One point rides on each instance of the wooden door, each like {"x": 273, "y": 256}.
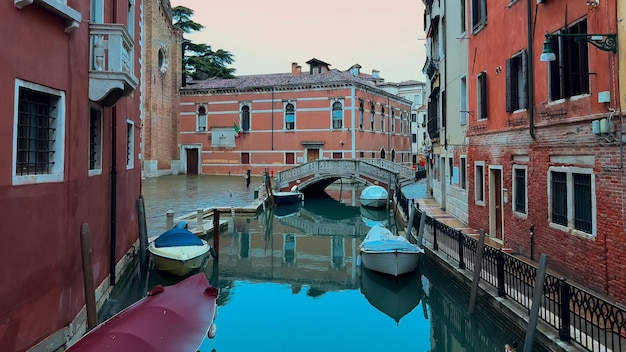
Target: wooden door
{"x": 312, "y": 154}
{"x": 192, "y": 161}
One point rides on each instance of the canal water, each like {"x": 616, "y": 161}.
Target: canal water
{"x": 289, "y": 279}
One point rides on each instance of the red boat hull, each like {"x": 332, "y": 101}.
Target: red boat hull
{"x": 171, "y": 318}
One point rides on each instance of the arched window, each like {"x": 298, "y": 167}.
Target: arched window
{"x": 382, "y": 153}
{"x": 201, "y": 119}
{"x": 245, "y": 118}
{"x": 393, "y": 155}
{"x": 290, "y": 117}
{"x": 337, "y": 115}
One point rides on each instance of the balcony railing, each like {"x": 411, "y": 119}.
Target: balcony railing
{"x": 111, "y": 74}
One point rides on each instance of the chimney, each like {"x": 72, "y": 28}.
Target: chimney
{"x": 375, "y": 73}
{"x": 296, "y": 70}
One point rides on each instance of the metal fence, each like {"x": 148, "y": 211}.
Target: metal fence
{"x": 577, "y": 314}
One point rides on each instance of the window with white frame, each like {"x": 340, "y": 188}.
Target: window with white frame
{"x": 520, "y": 189}
{"x": 245, "y": 118}
{"x": 382, "y": 118}
{"x": 463, "y": 172}
{"x": 571, "y": 199}
{"x": 479, "y": 182}
{"x": 479, "y": 14}
{"x": 373, "y": 115}
{"x": 337, "y": 115}
{"x": 481, "y": 95}
{"x": 516, "y": 82}
{"x": 38, "y": 134}
{"x": 201, "y": 118}
{"x": 95, "y": 141}
{"x": 361, "y": 111}
{"x": 131, "y": 18}
{"x": 463, "y": 103}
{"x": 290, "y": 116}
{"x": 569, "y": 73}
{"x": 130, "y": 144}
{"x": 462, "y": 12}
{"x": 96, "y": 11}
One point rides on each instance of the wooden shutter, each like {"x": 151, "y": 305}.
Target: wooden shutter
{"x": 524, "y": 78}
{"x": 510, "y": 85}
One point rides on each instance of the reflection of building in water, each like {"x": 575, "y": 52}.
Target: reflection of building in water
{"x": 289, "y": 248}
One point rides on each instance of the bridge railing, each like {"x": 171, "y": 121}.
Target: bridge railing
{"x": 401, "y": 170}
{"x": 346, "y": 168}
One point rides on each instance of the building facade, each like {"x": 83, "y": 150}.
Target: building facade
{"x": 68, "y": 156}
{"x": 546, "y": 167}
{"x": 276, "y": 121}
{"x": 160, "y": 98}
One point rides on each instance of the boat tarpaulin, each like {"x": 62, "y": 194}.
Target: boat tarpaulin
{"x": 177, "y": 237}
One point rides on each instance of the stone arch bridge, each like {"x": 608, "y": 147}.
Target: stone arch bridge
{"x": 316, "y": 175}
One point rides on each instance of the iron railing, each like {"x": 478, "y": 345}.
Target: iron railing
{"x": 578, "y": 315}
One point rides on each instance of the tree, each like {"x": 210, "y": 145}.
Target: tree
{"x": 199, "y": 60}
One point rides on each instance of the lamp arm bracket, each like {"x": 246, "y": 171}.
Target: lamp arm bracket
{"x": 604, "y": 42}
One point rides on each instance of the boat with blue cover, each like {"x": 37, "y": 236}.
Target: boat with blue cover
{"x": 178, "y": 251}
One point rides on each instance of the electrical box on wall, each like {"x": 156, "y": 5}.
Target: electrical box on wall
{"x": 604, "y": 97}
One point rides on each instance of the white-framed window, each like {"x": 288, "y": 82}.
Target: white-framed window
{"x": 38, "y": 134}
{"x": 572, "y": 201}
{"x": 361, "y": 111}
{"x": 337, "y": 114}
{"x": 463, "y": 102}
{"x": 373, "y": 115}
{"x": 382, "y": 118}
{"x": 479, "y": 14}
{"x": 520, "y": 190}
{"x": 516, "y": 98}
{"x": 481, "y": 95}
{"x": 393, "y": 121}
{"x": 95, "y": 141}
{"x": 130, "y": 144}
{"x": 290, "y": 116}
{"x": 201, "y": 118}
{"x": 131, "y": 18}
{"x": 479, "y": 182}
{"x": 245, "y": 117}
{"x": 96, "y": 11}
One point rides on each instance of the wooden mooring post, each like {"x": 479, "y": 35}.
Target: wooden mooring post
{"x": 169, "y": 220}
{"x": 90, "y": 290}
{"x": 143, "y": 234}
{"x": 216, "y": 233}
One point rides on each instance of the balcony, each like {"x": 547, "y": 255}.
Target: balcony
{"x": 111, "y": 63}
{"x": 59, "y": 8}
{"x": 431, "y": 66}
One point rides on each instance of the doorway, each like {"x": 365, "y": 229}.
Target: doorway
{"x": 496, "y": 210}
{"x": 312, "y": 154}
{"x": 192, "y": 161}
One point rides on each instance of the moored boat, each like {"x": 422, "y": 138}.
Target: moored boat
{"x": 374, "y": 196}
{"x": 178, "y": 251}
{"x": 287, "y": 197}
{"x": 169, "y": 318}
{"x": 387, "y": 253}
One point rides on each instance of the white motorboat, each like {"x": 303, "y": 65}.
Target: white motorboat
{"x": 178, "y": 251}
{"x": 374, "y": 196}
{"x": 387, "y": 253}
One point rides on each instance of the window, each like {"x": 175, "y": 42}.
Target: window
{"x": 361, "y": 154}
{"x": 245, "y": 158}
{"x": 413, "y": 117}
{"x": 519, "y": 189}
{"x": 373, "y": 116}
{"x": 290, "y": 158}
{"x": 245, "y": 118}
{"x": 569, "y": 73}
{"x": 201, "y": 118}
{"x": 131, "y": 18}
{"x": 479, "y": 14}
{"x": 337, "y": 155}
{"x": 337, "y": 115}
{"x": 393, "y": 121}
{"x": 516, "y": 82}
{"x": 96, "y": 9}
{"x": 463, "y": 104}
{"x": 130, "y": 144}
{"x": 361, "y": 110}
{"x": 463, "y": 172}
{"x": 572, "y": 205}
{"x": 481, "y": 94}
{"x": 290, "y": 117}
{"x": 414, "y": 138}
{"x": 95, "y": 141}
{"x": 479, "y": 186}
{"x": 382, "y": 118}
{"x": 373, "y": 154}
{"x": 39, "y": 138}
{"x": 462, "y": 7}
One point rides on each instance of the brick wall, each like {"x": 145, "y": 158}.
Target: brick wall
{"x": 161, "y": 90}
{"x": 593, "y": 261}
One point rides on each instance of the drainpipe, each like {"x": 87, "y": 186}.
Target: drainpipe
{"x": 113, "y": 193}
{"x": 272, "y": 103}
{"x": 530, "y": 87}
{"x": 353, "y": 134}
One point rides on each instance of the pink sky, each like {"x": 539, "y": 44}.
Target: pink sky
{"x": 267, "y": 36}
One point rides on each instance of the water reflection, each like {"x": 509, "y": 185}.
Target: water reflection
{"x": 290, "y": 282}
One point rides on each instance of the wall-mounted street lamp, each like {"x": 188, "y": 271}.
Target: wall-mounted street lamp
{"x": 605, "y": 42}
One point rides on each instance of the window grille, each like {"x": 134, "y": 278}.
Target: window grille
{"x": 559, "y": 198}
{"x": 582, "y": 203}
{"x": 36, "y": 132}
{"x": 520, "y": 190}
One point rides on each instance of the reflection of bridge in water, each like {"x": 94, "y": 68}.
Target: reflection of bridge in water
{"x": 316, "y": 175}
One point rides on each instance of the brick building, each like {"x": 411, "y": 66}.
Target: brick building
{"x": 276, "y": 121}
{"x": 545, "y": 153}
{"x": 68, "y": 156}
{"x": 161, "y": 70}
